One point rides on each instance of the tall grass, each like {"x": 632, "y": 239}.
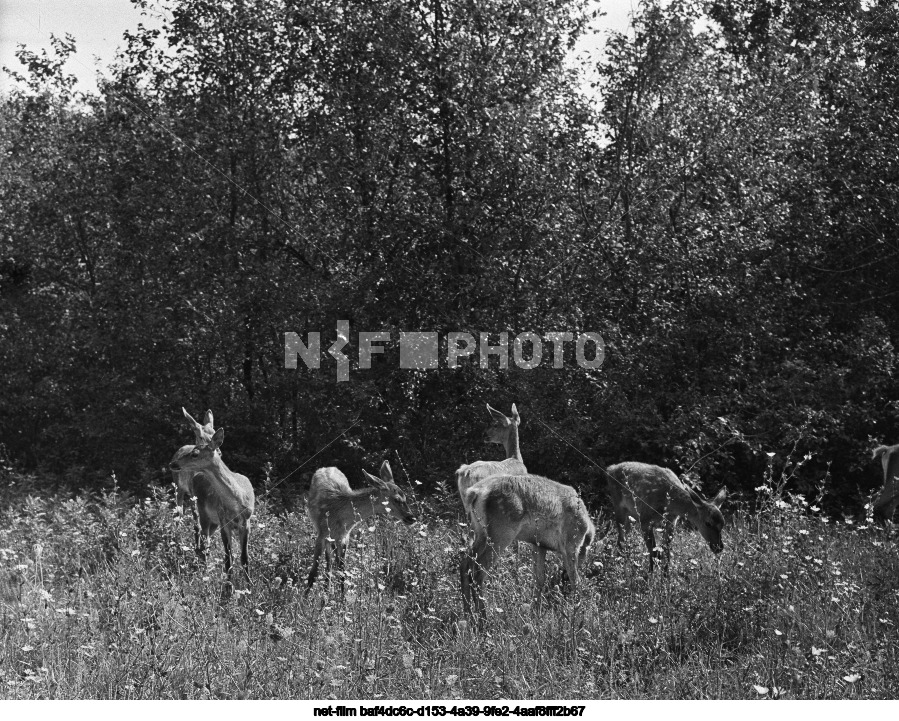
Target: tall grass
{"x": 101, "y": 597}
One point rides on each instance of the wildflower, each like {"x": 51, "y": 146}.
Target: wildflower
{"x": 653, "y": 620}
{"x": 852, "y": 678}
{"x": 817, "y": 651}
{"x": 760, "y": 690}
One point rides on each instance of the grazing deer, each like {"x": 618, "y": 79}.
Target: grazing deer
{"x": 888, "y": 498}
{"x": 503, "y": 431}
{"x": 336, "y": 509}
{"x": 652, "y": 494}
{"x": 225, "y": 499}
{"x": 527, "y": 508}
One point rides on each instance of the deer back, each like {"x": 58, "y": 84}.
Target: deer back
{"x": 529, "y": 508}
{"x": 647, "y": 492}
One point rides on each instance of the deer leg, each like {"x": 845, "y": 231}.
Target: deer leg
{"x": 200, "y": 536}
{"x": 623, "y": 522}
{"x": 244, "y": 548}
{"x": 668, "y": 535}
{"x": 328, "y": 553}
{"x": 570, "y": 560}
{"x": 539, "y": 574}
{"x": 316, "y": 554}
{"x": 203, "y": 533}
{"x": 226, "y": 542}
{"x": 339, "y": 559}
{"x": 475, "y": 565}
{"x": 180, "y": 498}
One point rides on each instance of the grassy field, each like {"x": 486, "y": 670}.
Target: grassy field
{"x": 101, "y": 597}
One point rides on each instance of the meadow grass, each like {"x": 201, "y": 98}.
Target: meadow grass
{"x": 101, "y": 597}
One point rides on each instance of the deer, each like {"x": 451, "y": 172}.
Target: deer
{"x": 650, "y": 494}
{"x": 224, "y": 499}
{"x": 503, "y": 431}
{"x": 528, "y": 508}
{"x": 183, "y": 480}
{"x": 888, "y": 497}
{"x": 335, "y": 510}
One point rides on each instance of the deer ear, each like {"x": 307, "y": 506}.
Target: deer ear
{"x": 697, "y": 499}
{"x": 386, "y": 472}
{"x": 207, "y": 419}
{"x": 496, "y": 414}
{"x": 191, "y": 421}
{"x": 217, "y": 439}
{"x": 719, "y": 499}
{"x": 515, "y": 416}
{"x": 373, "y": 479}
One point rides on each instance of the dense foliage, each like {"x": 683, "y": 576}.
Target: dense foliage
{"x": 723, "y": 212}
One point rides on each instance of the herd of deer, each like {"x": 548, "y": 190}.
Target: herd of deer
{"x": 504, "y": 505}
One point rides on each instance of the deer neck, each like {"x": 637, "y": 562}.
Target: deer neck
{"x": 511, "y": 444}
{"x": 695, "y": 512}
{"x": 365, "y": 503}
{"x": 223, "y": 477}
